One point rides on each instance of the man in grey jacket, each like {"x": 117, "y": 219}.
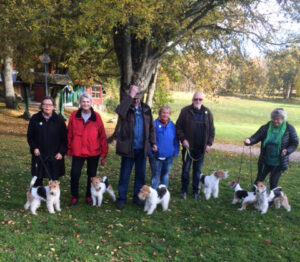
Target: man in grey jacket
{"x": 135, "y": 135}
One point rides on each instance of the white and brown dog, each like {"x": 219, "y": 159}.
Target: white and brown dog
{"x": 210, "y": 184}
{"x": 154, "y": 197}
{"x": 264, "y": 197}
{"x": 242, "y": 196}
{"x": 49, "y": 194}
{"x": 98, "y": 188}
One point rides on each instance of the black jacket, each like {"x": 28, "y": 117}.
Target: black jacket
{"x": 289, "y": 142}
{"x": 185, "y": 126}
{"x": 125, "y": 128}
{"x": 50, "y": 137}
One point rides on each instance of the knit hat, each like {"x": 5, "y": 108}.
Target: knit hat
{"x": 279, "y": 113}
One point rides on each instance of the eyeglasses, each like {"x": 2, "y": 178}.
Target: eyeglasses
{"x": 198, "y": 99}
{"x": 47, "y": 105}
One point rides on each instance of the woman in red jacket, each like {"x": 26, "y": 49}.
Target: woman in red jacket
{"x": 86, "y": 141}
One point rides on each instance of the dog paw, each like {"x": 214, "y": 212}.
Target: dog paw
{"x": 240, "y": 209}
{"x": 59, "y": 210}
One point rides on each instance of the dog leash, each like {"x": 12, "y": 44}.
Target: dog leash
{"x": 251, "y": 181}
{"x": 188, "y": 152}
{"x": 45, "y": 166}
{"x": 241, "y": 162}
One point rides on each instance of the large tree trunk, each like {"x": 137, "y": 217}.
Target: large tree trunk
{"x": 152, "y": 86}
{"x": 136, "y": 58}
{"x": 10, "y": 99}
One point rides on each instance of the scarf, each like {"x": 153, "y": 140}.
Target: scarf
{"x": 276, "y": 133}
{"x": 164, "y": 122}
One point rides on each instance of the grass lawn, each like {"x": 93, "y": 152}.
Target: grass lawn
{"x": 190, "y": 231}
{"x": 236, "y": 118}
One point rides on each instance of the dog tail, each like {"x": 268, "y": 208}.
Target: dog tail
{"x": 105, "y": 181}
{"x": 32, "y": 182}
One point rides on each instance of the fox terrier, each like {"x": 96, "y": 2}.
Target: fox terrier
{"x": 49, "y": 194}
{"x": 242, "y": 196}
{"x": 98, "y": 188}
{"x": 264, "y": 198}
{"x": 210, "y": 184}
{"x": 154, "y": 197}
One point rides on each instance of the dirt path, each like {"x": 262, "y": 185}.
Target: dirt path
{"x": 295, "y": 157}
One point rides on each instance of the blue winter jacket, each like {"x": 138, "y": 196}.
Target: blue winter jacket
{"x": 166, "y": 140}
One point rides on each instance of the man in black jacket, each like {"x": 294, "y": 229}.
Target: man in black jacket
{"x": 195, "y": 129}
{"x": 278, "y": 140}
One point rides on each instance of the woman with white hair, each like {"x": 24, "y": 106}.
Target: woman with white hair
{"x": 278, "y": 140}
{"x": 167, "y": 148}
{"x": 86, "y": 141}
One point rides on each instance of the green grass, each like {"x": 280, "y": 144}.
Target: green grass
{"x": 190, "y": 231}
{"x": 237, "y": 118}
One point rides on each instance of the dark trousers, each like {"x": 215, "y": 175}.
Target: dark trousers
{"x": 127, "y": 163}
{"x": 77, "y": 164}
{"x": 275, "y": 173}
{"x": 185, "y": 175}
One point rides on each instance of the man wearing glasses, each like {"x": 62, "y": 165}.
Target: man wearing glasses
{"x": 195, "y": 129}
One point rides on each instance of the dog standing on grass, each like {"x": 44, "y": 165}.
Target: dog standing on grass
{"x": 264, "y": 198}
{"x": 98, "y": 188}
{"x": 154, "y": 197}
{"x": 49, "y": 194}
{"x": 210, "y": 184}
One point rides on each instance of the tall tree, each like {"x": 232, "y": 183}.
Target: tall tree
{"x": 144, "y": 31}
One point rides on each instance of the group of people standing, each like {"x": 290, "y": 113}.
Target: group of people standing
{"x": 139, "y": 137}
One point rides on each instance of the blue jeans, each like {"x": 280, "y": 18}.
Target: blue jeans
{"x": 127, "y": 163}
{"x": 197, "y": 165}
{"x": 160, "y": 171}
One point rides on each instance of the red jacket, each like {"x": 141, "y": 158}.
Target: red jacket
{"x": 89, "y": 139}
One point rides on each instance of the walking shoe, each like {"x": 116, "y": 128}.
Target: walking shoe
{"x": 89, "y": 201}
{"x": 138, "y": 202}
{"x": 120, "y": 205}
{"x": 197, "y": 196}
{"x": 74, "y": 202}
{"x": 183, "y": 195}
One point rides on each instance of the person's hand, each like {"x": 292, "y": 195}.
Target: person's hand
{"x": 283, "y": 152}
{"x": 154, "y": 148}
{"x": 102, "y": 161}
{"x": 185, "y": 143}
{"x": 36, "y": 152}
{"x": 247, "y": 142}
{"x": 207, "y": 149}
{"x": 58, "y": 156}
{"x": 133, "y": 91}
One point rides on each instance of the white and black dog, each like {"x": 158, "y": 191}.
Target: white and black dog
{"x": 242, "y": 196}
{"x": 49, "y": 194}
{"x": 210, "y": 184}
{"x": 154, "y": 197}
{"x": 98, "y": 188}
{"x": 264, "y": 197}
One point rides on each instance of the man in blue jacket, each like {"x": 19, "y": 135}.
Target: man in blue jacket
{"x": 167, "y": 148}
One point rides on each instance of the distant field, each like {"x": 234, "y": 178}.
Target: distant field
{"x": 237, "y": 118}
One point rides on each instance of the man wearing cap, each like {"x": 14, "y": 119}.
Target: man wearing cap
{"x": 195, "y": 129}
{"x": 278, "y": 140}
{"x": 135, "y": 135}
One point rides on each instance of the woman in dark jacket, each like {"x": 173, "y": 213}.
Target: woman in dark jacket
{"x": 47, "y": 138}
{"x": 278, "y": 140}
